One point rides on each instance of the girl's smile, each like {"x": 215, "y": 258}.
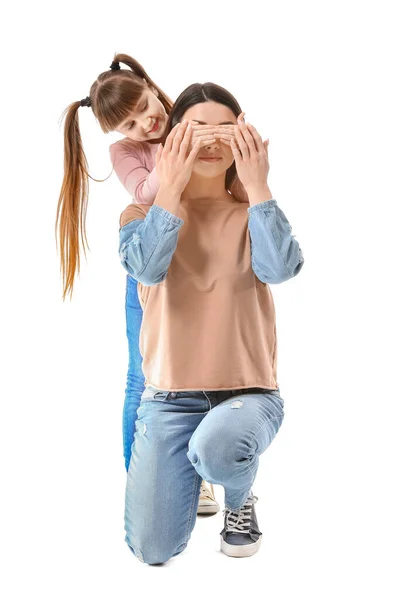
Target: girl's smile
{"x": 155, "y": 126}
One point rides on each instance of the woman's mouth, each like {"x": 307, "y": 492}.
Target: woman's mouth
{"x": 210, "y": 159}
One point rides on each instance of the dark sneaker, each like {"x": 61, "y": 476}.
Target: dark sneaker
{"x": 241, "y": 535}
{"x": 207, "y": 502}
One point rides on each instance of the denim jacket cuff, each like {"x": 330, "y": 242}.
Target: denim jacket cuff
{"x": 166, "y": 214}
{"x": 262, "y": 205}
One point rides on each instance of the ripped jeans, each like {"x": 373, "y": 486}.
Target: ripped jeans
{"x": 181, "y": 438}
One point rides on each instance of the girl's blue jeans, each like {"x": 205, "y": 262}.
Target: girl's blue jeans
{"x": 135, "y": 379}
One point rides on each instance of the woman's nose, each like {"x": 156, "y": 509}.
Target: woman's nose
{"x": 213, "y": 144}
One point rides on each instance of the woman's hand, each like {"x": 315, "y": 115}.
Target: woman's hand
{"x": 251, "y": 157}
{"x": 174, "y": 161}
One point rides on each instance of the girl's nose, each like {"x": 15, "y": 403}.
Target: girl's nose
{"x": 146, "y": 124}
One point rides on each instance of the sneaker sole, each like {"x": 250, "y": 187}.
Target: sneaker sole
{"x": 240, "y": 551}
{"x": 208, "y": 509}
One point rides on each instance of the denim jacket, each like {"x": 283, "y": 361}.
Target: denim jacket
{"x": 146, "y": 246}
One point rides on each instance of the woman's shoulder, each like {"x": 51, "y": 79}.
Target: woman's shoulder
{"x": 132, "y": 212}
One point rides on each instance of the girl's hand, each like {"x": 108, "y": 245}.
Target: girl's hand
{"x": 251, "y": 156}
{"x": 174, "y": 161}
{"x": 210, "y": 133}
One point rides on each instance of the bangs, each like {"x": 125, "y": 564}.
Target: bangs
{"x": 116, "y": 99}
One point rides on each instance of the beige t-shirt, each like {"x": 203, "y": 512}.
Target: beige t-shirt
{"x": 210, "y": 325}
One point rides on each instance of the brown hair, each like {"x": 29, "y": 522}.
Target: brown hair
{"x": 112, "y": 97}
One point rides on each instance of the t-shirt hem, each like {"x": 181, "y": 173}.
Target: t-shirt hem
{"x": 269, "y": 386}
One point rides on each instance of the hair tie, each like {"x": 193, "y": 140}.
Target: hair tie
{"x": 86, "y": 101}
{"x": 114, "y": 66}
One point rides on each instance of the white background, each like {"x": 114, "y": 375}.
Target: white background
{"x": 320, "y": 80}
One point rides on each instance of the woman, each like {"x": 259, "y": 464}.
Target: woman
{"x": 203, "y": 261}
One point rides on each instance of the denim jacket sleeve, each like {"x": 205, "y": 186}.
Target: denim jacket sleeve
{"x": 275, "y": 255}
{"x": 146, "y": 246}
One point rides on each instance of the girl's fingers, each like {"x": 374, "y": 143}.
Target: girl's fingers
{"x": 191, "y": 141}
{"x": 256, "y": 136}
{"x": 206, "y": 141}
{"x": 247, "y": 136}
{"x": 171, "y": 137}
{"x": 158, "y": 153}
{"x": 235, "y": 149}
{"x": 202, "y": 142}
{"x": 241, "y": 143}
{"x": 186, "y": 139}
{"x": 194, "y": 152}
{"x": 224, "y": 137}
{"x": 178, "y": 137}
{"x": 265, "y": 146}
{"x": 213, "y": 129}
{"x": 209, "y": 136}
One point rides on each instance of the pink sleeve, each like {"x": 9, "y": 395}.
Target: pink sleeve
{"x": 141, "y": 183}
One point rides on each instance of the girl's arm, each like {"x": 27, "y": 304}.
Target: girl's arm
{"x": 275, "y": 255}
{"x": 130, "y": 167}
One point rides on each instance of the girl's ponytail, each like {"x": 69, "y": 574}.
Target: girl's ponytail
{"x": 72, "y": 202}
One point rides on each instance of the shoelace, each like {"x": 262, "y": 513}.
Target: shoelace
{"x": 239, "y": 521}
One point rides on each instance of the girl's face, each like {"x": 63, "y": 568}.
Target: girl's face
{"x": 148, "y": 120}
{"x": 212, "y": 113}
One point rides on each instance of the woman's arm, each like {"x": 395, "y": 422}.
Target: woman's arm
{"x": 129, "y": 165}
{"x": 275, "y": 254}
{"x": 146, "y": 246}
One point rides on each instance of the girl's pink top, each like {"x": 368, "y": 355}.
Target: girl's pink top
{"x": 134, "y": 164}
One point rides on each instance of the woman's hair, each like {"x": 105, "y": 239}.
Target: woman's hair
{"x": 112, "y": 97}
{"x": 196, "y": 94}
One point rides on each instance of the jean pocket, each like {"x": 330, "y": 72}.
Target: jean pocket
{"x": 151, "y": 393}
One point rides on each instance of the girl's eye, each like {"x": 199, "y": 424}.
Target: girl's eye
{"x": 133, "y": 122}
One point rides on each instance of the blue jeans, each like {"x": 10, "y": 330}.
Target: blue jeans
{"x": 182, "y": 438}
{"x": 135, "y": 379}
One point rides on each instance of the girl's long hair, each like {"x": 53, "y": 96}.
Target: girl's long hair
{"x": 113, "y": 96}
{"x": 196, "y": 94}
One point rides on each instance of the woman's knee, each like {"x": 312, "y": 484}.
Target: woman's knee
{"x": 153, "y": 555}
{"x": 217, "y": 457}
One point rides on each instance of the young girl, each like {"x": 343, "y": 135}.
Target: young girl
{"x": 211, "y": 405}
{"x": 127, "y": 101}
